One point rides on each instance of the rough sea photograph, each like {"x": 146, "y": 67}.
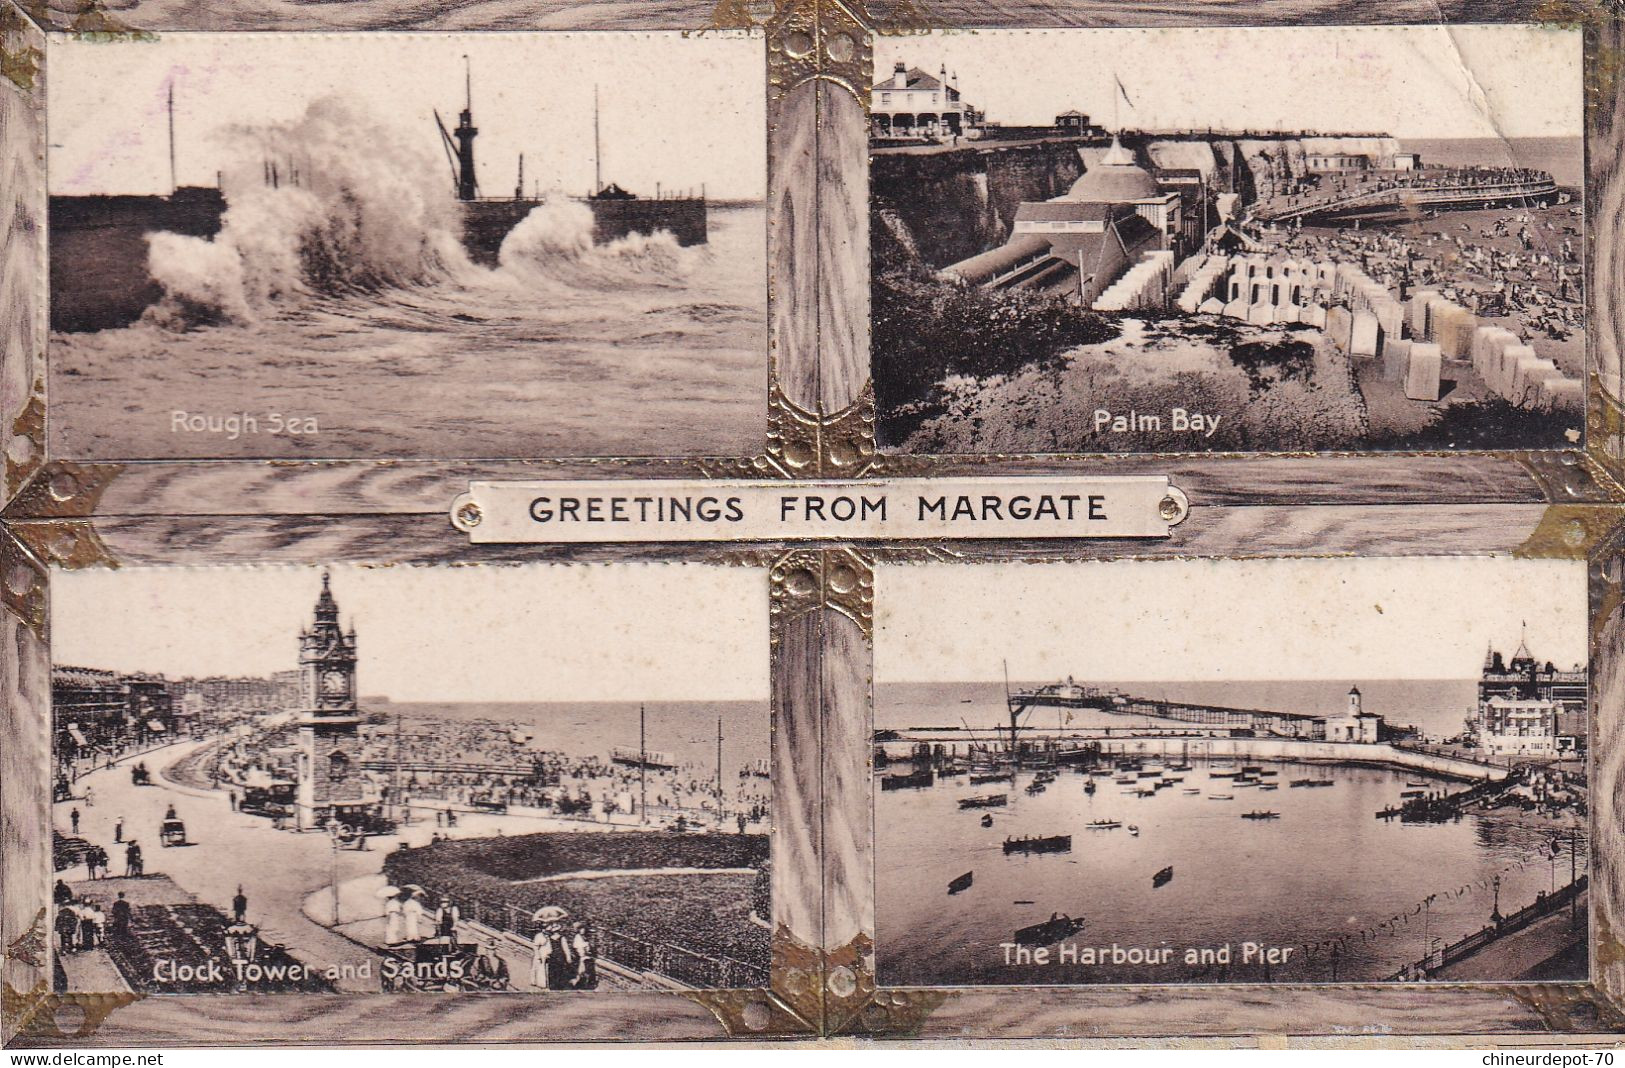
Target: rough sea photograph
{"x": 490, "y": 245}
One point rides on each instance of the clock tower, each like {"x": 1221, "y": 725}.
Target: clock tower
{"x": 329, "y": 722}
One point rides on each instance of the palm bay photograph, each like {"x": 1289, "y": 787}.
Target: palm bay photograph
{"x": 371, "y": 245}
{"x": 1145, "y": 241}
{"x": 297, "y": 779}
{"x": 1210, "y": 772}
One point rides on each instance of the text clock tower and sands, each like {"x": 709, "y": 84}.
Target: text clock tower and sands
{"x": 329, "y": 738}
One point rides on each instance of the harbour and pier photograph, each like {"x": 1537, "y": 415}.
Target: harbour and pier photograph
{"x": 372, "y": 245}
{"x": 1145, "y": 241}
{"x": 1209, "y": 772}
{"x": 297, "y": 779}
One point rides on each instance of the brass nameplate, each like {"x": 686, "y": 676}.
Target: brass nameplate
{"x": 668, "y": 510}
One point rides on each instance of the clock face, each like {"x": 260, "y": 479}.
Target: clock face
{"x": 334, "y": 684}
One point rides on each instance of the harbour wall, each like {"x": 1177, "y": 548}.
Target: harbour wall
{"x": 98, "y": 252}
{"x": 683, "y": 219}
{"x": 1212, "y": 745}
{"x": 486, "y": 223}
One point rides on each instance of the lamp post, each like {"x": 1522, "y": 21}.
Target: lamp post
{"x": 340, "y": 834}
{"x": 1427, "y": 916}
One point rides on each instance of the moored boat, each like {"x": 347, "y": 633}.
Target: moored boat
{"x": 1058, "y": 926}
{"x": 1055, "y": 843}
{"x": 1163, "y": 877}
{"x": 961, "y": 883}
{"x": 1260, "y": 815}
{"x": 985, "y": 801}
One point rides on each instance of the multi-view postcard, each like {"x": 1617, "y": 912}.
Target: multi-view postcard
{"x": 500, "y": 548}
{"x": 390, "y": 245}
{"x": 1288, "y": 771}
{"x": 1124, "y": 241}
{"x": 546, "y": 784}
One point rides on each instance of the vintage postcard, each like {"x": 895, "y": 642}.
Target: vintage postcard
{"x": 1207, "y": 772}
{"x": 407, "y": 245}
{"x": 1129, "y": 241}
{"x": 555, "y": 779}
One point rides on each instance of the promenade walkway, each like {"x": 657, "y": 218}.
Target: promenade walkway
{"x": 277, "y": 869}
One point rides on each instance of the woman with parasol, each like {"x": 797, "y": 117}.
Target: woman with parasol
{"x": 551, "y": 962}
{"x": 413, "y": 912}
{"x": 393, "y": 916}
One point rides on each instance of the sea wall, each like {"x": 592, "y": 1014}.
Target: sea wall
{"x": 683, "y": 219}
{"x": 486, "y": 223}
{"x": 956, "y": 204}
{"x": 1307, "y": 752}
{"x": 98, "y": 252}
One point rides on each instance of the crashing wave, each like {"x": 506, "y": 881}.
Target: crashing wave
{"x": 554, "y": 243}
{"x": 336, "y": 221}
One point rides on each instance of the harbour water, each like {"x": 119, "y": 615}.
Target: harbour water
{"x": 1327, "y": 870}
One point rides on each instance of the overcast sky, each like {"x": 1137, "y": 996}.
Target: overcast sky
{"x": 1408, "y": 81}
{"x": 620, "y": 632}
{"x": 681, "y": 111}
{"x": 1201, "y": 620}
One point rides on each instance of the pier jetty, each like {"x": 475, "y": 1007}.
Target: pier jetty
{"x": 1194, "y": 745}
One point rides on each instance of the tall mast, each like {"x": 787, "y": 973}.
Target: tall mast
{"x": 1011, "y": 708}
{"x": 643, "y": 771}
{"x": 719, "y": 766}
{"x": 173, "y": 184}
{"x": 597, "y": 158}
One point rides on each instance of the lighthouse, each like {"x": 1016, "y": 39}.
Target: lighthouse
{"x": 465, "y": 133}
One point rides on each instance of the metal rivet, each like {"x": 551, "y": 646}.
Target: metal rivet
{"x": 20, "y": 580}
{"x": 756, "y": 1015}
{"x": 1169, "y": 509}
{"x": 20, "y": 449}
{"x": 801, "y": 582}
{"x": 64, "y": 487}
{"x": 842, "y": 983}
{"x": 1574, "y": 533}
{"x": 841, "y": 48}
{"x": 469, "y": 515}
{"x": 799, "y": 44}
{"x": 69, "y": 1017}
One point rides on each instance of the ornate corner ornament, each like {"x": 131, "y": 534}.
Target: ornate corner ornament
{"x": 62, "y": 489}
{"x": 809, "y": 579}
{"x": 791, "y": 1006}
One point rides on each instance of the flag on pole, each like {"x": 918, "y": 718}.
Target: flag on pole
{"x": 1120, "y": 89}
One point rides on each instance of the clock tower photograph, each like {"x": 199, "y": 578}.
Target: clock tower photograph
{"x": 330, "y": 782}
